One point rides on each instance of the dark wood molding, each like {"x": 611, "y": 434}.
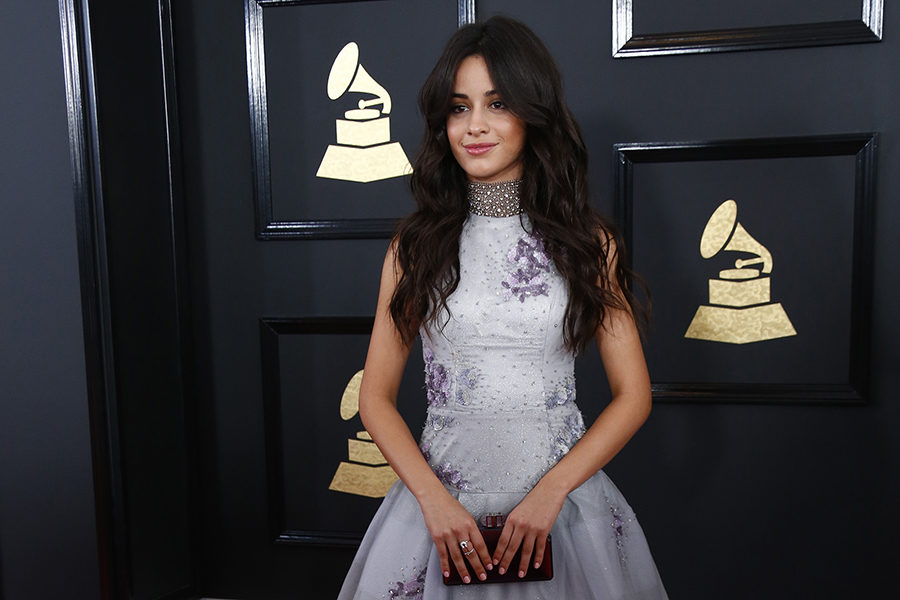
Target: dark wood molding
{"x": 466, "y": 11}
{"x": 863, "y": 146}
{"x": 270, "y": 330}
{"x": 628, "y": 44}
{"x": 182, "y": 302}
{"x": 81, "y": 102}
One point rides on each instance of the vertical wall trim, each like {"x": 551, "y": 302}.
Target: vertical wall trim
{"x": 466, "y": 11}
{"x": 873, "y": 15}
{"x": 863, "y": 259}
{"x": 180, "y": 262}
{"x": 95, "y": 300}
{"x": 622, "y": 24}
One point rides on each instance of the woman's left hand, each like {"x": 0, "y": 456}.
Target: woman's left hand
{"x": 528, "y": 526}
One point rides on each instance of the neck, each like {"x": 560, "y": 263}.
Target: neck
{"x": 499, "y": 199}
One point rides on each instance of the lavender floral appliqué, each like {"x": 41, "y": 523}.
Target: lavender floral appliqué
{"x": 445, "y": 471}
{"x": 530, "y": 267}
{"x": 438, "y": 422}
{"x": 437, "y": 380}
{"x": 411, "y": 589}
{"x": 563, "y": 394}
{"x": 618, "y": 526}
{"x": 466, "y": 380}
{"x": 567, "y": 436}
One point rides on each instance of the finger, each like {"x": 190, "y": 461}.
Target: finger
{"x": 527, "y": 551}
{"x": 540, "y": 546}
{"x": 445, "y": 562}
{"x": 474, "y": 557}
{"x": 511, "y": 550}
{"x": 482, "y": 551}
{"x": 502, "y": 542}
{"x": 460, "y": 564}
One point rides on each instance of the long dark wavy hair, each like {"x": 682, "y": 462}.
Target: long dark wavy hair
{"x": 554, "y": 193}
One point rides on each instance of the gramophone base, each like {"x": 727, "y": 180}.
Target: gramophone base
{"x": 349, "y": 163}
{"x": 740, "y": 325}
{"x": 363, "y": 480}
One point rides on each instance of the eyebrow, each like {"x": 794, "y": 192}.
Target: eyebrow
{"x": 487, "y": 94}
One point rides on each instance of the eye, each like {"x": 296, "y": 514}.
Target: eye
{"x": 458, "y": 108}
{"x": 498, "y": 105}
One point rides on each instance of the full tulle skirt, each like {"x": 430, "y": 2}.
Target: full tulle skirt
{"x": 599, "y": 551}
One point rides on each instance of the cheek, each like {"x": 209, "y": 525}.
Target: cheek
{"x": 517, "y": 140}
{"x": 514, "y": 132}
{"x": 454, "y": 131}
{"x": 455, "y": 149}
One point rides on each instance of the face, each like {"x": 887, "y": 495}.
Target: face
{"x": 486, "y": 139}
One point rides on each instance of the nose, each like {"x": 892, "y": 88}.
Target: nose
{"x": 477, "y": 121}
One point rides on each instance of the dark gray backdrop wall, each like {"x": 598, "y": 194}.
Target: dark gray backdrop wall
{"x": 48, "y": 545}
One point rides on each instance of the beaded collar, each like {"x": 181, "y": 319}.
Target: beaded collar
{"x": 495, "y": 199}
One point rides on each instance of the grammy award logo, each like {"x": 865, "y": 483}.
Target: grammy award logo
{"x": 367, "y": 472}
{"x": 740, "y": 310}
{"x": 364, "y": 151}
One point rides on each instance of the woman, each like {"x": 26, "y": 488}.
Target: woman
{"x": 507, "y": 272}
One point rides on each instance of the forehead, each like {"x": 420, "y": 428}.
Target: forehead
{"x": 472, "y": 76}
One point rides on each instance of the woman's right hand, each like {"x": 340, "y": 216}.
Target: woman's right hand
{"x": 449, "y": 524}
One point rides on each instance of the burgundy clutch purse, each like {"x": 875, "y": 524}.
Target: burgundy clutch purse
{"x": 491, "y": 536}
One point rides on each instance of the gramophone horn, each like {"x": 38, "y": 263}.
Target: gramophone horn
{"x": 342, "y": 70}
{"x": 742, "y": 241}
{"x": 350, "y": 397}
{"x": 723, "y": 232}
{"x": 718, "y": 229}
{"x": 348, "y": 75}
{"x": 364, "y": 83}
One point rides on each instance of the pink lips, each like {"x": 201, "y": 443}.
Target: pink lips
{"x": 476, "y": 149}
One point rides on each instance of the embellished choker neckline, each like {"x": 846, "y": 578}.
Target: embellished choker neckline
{"x": 499, "y": 199}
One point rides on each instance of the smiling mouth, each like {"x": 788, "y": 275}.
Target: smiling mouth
{"x": 476, "y": 149}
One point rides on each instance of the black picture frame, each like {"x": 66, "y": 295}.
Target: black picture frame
{"x": 268, "y": 226}
{"x": 625, "y": 43}
{"x": 862, "y": 146}
{"x": 271, "y": 331}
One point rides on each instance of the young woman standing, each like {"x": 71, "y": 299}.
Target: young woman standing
{"x": 506, "y": 272}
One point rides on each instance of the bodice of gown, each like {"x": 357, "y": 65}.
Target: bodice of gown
{"x": 499, "y": 382}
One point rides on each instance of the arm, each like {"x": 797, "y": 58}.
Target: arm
{"x": 623, "y": 359}
{"x": 446, "y": 519}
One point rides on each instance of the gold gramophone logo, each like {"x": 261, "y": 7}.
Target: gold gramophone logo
{"x": 740, "y": 309}
{"x": 367, "y": 472}
{"x": 364, "y": 151}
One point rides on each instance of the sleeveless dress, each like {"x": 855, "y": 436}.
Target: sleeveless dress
{"x": 501, "y": 412}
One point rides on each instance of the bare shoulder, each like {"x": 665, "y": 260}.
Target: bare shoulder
{"x": 391, "y": 270}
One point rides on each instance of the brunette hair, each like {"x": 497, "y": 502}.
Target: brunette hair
{"x": 554, "y": 193}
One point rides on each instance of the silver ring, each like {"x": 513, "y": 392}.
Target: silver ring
{"x": 466, "y": 548}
